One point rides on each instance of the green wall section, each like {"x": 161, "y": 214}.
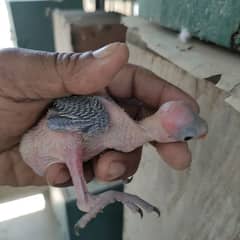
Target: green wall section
{"x": 217, "y": 21}
{"x": 108, "y": 225}
{"x": 33, "y": 24}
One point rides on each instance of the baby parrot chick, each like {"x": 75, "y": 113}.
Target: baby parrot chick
{"x": 77, "y": 128}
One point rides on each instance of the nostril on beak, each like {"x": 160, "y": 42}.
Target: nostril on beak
{"x": 187, "y": 138}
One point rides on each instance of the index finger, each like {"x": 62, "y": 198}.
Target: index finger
{"x": 140, "y": 83}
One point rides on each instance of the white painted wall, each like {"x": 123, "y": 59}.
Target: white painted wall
{"x": 5, "y": 27}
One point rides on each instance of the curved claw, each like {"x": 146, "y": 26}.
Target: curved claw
{"x": 140, "y": 211}
{"x": 77, "y": 230}
{"x": 157, "y": 211}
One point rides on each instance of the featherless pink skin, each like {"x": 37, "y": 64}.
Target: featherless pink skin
{"x": 40, "y": 147}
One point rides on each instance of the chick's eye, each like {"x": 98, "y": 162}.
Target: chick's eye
{"x": 187, "y": 138}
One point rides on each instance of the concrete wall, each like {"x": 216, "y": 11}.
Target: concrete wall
{"x": 201, "y": 203}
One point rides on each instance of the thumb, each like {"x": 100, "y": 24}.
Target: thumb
{"x": 42, "y": 75}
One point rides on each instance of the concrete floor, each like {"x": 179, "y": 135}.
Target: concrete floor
{"x": 37, "y": 226}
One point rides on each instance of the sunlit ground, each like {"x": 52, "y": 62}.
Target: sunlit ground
{"x": 5, "y": 29}
{"x": 21, "y": 207}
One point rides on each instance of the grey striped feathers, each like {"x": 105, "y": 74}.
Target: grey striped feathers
{"x": 85, "y": 114}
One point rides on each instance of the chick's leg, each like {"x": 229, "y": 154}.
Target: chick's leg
{"x": 133, "y": 202}
{"x": 94, "y": 204}
{"x": 75, "y": 165}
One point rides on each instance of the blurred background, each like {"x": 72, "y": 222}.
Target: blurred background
{"x": 200, "y": 203}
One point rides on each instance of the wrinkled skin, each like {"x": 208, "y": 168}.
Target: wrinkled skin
{"x": 78, "y": 128}
{"x": 29, "y": 80}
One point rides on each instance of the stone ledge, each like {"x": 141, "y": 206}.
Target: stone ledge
{"x": 201, "y": 60}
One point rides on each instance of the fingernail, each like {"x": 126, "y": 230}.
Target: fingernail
{"x": 106, "y": 50}
{"x": 61, "y": 178}
{"x": 116, "y": 170}
{"x": 64, "y": 184}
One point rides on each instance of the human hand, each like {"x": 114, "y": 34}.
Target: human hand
{"x": 29, "y": 80}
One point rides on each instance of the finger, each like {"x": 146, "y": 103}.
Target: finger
{"x": 134, "y": 81}
{"x": 15, "y": 172}
{"x": 58, "y": 175}
{"x": 177, "y": 155}
{"x": 26, "y": 74}
{"x": 113, "y": 165}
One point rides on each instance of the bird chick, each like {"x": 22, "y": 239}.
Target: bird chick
{"x": 77, "y": 128}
